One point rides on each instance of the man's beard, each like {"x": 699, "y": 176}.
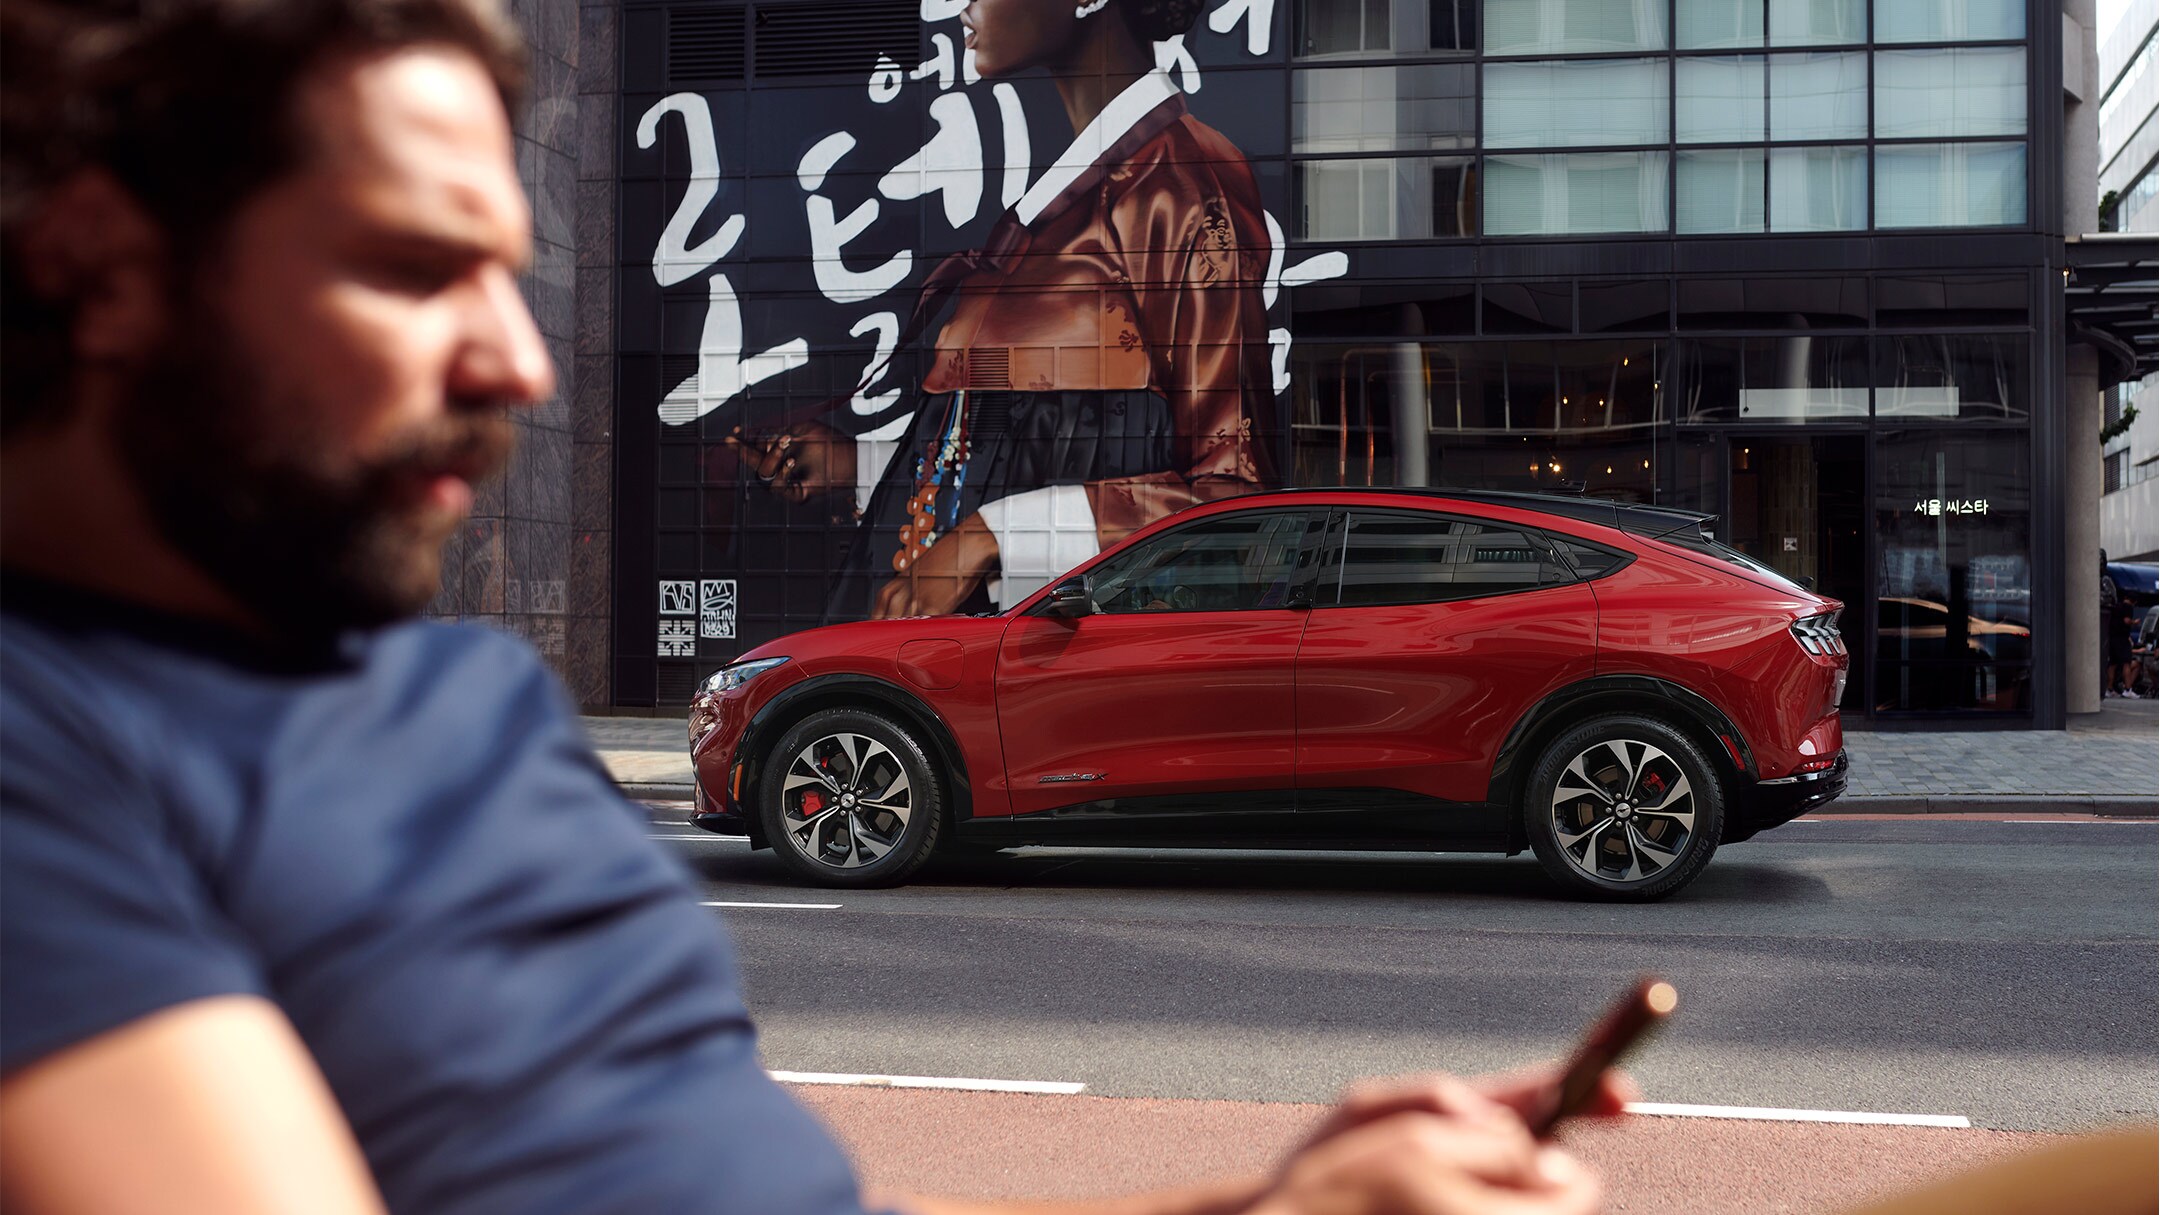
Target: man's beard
{"x": 311, "y": 541}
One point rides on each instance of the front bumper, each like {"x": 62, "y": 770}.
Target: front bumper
{"x": 1772, "y": 803}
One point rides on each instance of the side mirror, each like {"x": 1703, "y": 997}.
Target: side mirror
{"x": 1070, "y": 598}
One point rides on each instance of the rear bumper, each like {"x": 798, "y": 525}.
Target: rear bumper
{"x": 1771, "y": 803}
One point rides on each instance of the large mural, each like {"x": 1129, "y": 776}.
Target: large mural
{"x": 1017, "y": 294}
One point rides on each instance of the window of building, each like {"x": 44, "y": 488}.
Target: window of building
{"x": 2115, "y": 471}
{"x": 1380, "y": 27}
{"x": 1953, "y": 185}
{"x": 1719, "y": 99}
{"x": 1400, "y": 558}
{"x": 1386, "y": 198}
{"x": 1953, "y": 377}
{"x": 1950, "y": 91}
{"x": 1623, "y": 306}
{"x": 1819, "y": 96}
{"x": 1537, "y": 195}
{"x": 1383, "y": 108}
{"x": 1576, "y": 103}
{"x": 1818, "y": 189}
{"x": 1820, "y": 22}
{"x": 1936, "y": 301}
{"x": 1800, "y": 377}
{"x": 1949, "y": 20}
{"x": 1719, "y": 191}
{"x": 1813, "y": 302}
{"x": 1573, "y": 27}
{"x": 1529, "y": 307}
{"x": 1230, "y": 564}
{"x": 1718, "y": 24}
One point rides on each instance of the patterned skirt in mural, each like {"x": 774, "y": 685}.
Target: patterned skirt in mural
{"x": 980, "y": 446}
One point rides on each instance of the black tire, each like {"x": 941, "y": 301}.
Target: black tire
{"x": 1657, "y": 850}
{"x": 849, "y": 837}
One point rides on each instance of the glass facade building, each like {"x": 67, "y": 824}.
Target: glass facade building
{"x": 1796, "y": 263}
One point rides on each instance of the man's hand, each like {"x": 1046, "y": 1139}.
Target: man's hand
{"x": 1428, "y": 1145}
{"x": 805, "y": 459}
{"x": 1479, "y": 1161}
{"x": 941, "y": 579}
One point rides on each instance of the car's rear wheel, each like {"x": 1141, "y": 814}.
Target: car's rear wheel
{"x": 1623, "y": 807}
{"x": 848, "y": 797}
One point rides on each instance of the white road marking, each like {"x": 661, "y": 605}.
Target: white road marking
{"x": 1061, "y": 1088}
{"x": 1760, "y": 1114}
{"x": 784, "y": 906}
{"x": 2110, "y": 822}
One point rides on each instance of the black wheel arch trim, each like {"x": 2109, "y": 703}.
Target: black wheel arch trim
{"x": 1624, "y": 693}
{"x": 854, "y": 691}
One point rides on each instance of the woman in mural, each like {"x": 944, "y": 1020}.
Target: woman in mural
{"x": 1106, "y": 359}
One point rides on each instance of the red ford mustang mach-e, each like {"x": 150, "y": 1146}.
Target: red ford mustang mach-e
{"x": 1599, "y": 682}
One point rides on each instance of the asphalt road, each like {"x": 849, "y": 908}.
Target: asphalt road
{"x": 2000, "y": 971}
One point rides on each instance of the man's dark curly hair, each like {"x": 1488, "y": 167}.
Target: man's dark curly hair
{"x": 190, "y": 105}
{"x": 1156, "y": 20}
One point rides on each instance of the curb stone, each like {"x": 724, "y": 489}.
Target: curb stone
{"x": 1932, "y": 803}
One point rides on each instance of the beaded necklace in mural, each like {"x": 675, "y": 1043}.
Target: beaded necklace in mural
{"x": 941, "y": 464}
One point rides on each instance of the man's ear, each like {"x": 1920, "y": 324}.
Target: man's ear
{"x": 91, "y": 247}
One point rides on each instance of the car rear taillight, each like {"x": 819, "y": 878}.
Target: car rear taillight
{"x": 1818, "y": 635}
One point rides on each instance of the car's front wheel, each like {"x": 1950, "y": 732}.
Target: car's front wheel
{"x": 1623, "y": 807}
{"x": 849, "y": 798}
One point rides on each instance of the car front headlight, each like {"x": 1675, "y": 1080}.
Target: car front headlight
{"x": 729, "y": 678}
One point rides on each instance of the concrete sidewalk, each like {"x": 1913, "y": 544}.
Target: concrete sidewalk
{"x": 2106, "y": 763}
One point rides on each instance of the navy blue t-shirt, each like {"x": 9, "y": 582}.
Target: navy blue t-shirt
{"x": 410, "y": 847}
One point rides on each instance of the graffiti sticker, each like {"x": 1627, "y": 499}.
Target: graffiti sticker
{"x": 678, "y": 639}
{"x": 716, "y": 608}
{"x": 678, "y": 598}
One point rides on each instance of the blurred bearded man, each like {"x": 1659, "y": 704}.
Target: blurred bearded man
{"x": 306, "y": 907}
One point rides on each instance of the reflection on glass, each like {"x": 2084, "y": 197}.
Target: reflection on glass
{"x": 1953, "y": 528}
{"x": 1717, "y": 24}
{"x": 1932, "y": 185}
{"x": 1816, "y": 301}
{"x": 1967, "y": 377}
{"x": 1950, "y": 91}
{"x": 1818, "y": 189}
{"x": 1389, "y": 198}
{"x": 1368, "y": 27}
{"x": 1577, "y": 192}
{"x": 1948, "y": 20}
{"x": 1822, "y": 22}
{"x": 1395, "y": 559}
{"x": 1382, "y": 109}
{"x": 1720, "y": 191}
{"x": 1540, "y": 415}
{"x": 1579, "y": 103}
{"x": 1802, "y": 377}
{"x": 1573, "y": 27}
{"x": 1945, "y": 300}
{"x": 1819, "y": 96}
{"x": 1720, "y": 99}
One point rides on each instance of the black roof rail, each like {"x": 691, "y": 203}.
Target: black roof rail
{"x": 1638, "y": 517}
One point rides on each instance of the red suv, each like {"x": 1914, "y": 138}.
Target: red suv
{"x": 1599, "y": 682}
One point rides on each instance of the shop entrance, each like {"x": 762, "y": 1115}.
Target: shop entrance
{"x": 1798, "y": 504}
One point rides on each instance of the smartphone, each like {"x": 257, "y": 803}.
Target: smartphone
{"x": 1630, "y": 1020}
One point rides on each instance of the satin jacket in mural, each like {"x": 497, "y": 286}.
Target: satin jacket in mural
{"x": 1110, "y": 339}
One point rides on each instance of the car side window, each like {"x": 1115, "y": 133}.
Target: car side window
{"x": 1227, "y": 564}
{"x": 1402, "y": 558}
{"x": 1589, "y": 560}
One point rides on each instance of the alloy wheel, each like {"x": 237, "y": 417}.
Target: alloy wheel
{"x": 845, "y": 801}
{"x": 1623, "y": 811}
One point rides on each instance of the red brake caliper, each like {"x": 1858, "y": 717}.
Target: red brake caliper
{"x": 812, "y": 802}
